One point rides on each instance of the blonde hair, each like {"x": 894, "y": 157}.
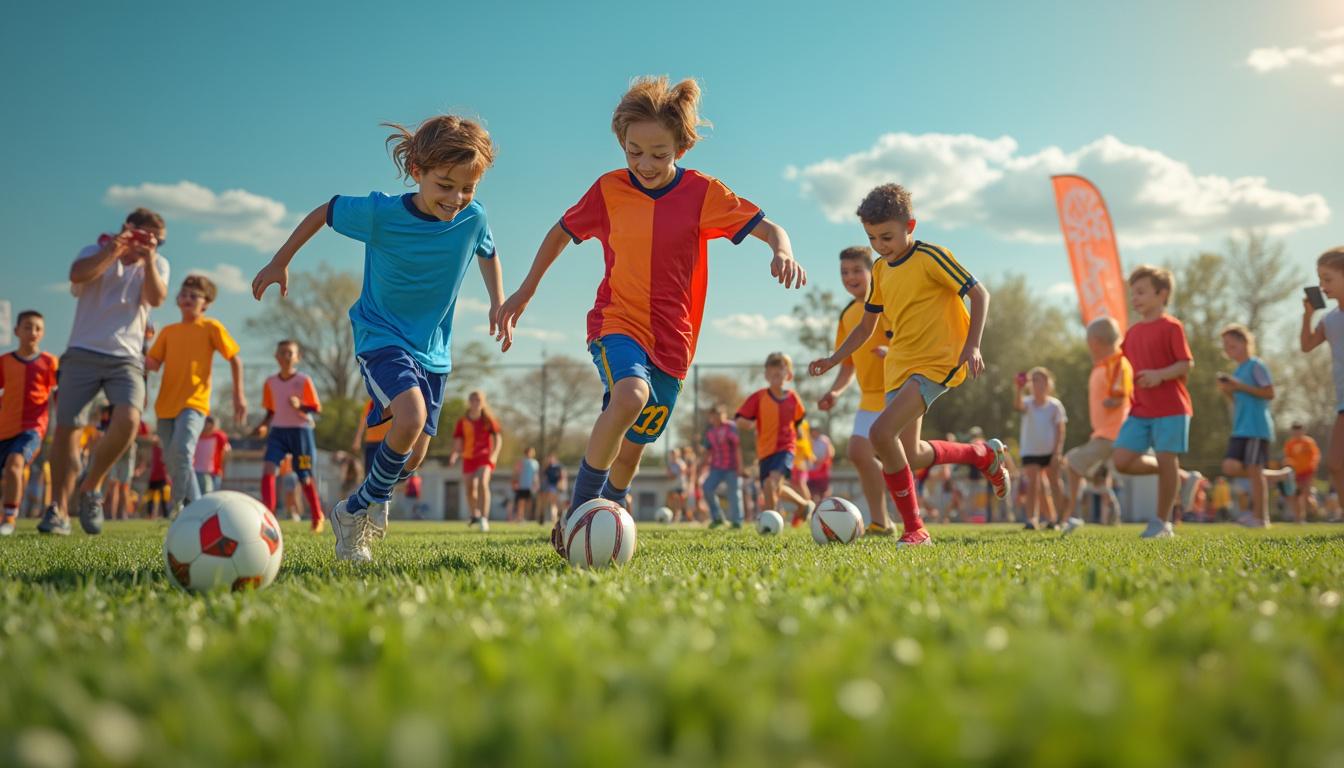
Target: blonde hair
{"x": 675, "y": 107}
{"x": 445, "y": 140}
{"x": 1160, "y": 278}
{"x": 1333, "y": 259}
{"x": 780, "y": 359}
{"x": 485, "y": 406}
{"x": 1049, "y": 378}
{"x": 1104, "y": 329}
{"x": 1241, "y": 332}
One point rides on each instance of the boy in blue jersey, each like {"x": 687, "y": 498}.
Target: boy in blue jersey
{"x": 417, "y": 250}
{"x": 1250, "y": 388}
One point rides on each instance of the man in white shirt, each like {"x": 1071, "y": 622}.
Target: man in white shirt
{"x": 116, "y": 282}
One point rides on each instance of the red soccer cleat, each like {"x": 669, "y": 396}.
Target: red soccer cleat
{"x": 916, "y": 538}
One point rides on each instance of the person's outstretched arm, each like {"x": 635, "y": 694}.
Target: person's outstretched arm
{"x": 508, "y": 314}
{"x": 277, "y": 270}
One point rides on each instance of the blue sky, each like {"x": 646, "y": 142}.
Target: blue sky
{"x": 978, "y": 101}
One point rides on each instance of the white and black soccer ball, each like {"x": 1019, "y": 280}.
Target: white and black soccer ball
{"x": 223, "y": 539}
{"x": 836, "y": 521}
{"x": 599, "y": 534}
{"x": 663, "y": 515}
{"x": 769, "y": 522}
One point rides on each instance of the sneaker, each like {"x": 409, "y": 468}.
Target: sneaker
{"x": 319, "y": 525}
{"x": 558, "y": 537}
{"x": 735, "y": 526}
{"x": 1072, "y": 525}
{"x": 1157, "y": 529}
{"x": 352, "y": 536}
{"x": 7, "y": 524}
{"x": 91, "y": 512}
{"x": 798, "y": 520}
{"x": 54, "y": 522}
{"x": 1189, "y": 487}
{"x": 874, "y": 529}
{"x": 1251, "y": 521}
{"x": 716, "y": 524}
{"x": 377, "y": 514}
{"x": 1052, "y": 526}
{"x": 997, "y": 472}
{"x": 916, "y": 538}
{"x": 1030, "y": 526}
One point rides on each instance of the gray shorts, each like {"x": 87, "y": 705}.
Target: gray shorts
{"x": 83, "y": 373}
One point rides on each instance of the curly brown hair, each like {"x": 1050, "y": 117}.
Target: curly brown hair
{"x": 889, "y": 202}
{"x": 675, "y": 107}
{"x": 442, "y": 141}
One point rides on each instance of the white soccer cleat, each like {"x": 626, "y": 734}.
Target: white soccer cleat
{"x": 352, "y": 534}
{"x": 377, "y": 515}
{"x": 1158, "y": 529}
{"x": 1073, "y": 524}
{"x": 999, "y": 479}
{"x": 1189, "y": 487}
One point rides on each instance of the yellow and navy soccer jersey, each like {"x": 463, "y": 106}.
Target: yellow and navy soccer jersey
{"x": 868, "y": 366}
{"x": 922, "y": 296}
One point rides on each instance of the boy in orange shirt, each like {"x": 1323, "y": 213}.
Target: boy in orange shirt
{"x": 1108, "y": 390}
{"x": 1302, "y": 454}
{"x": 775, "y": 413}
{"x": 184, "y": 352}
{"x": 654, "y": 220}
{"x": 27, "y": 379}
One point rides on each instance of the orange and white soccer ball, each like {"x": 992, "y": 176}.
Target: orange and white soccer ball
{"x": 769, "y": 523}
{"x": 223, "y": 539}
{"x": 598, "y": 534}
{"x": 836, "y": 521}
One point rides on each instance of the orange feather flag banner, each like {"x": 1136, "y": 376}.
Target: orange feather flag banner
{"x": 1090, "y": 239}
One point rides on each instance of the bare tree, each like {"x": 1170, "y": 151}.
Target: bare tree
{"x": 316, "y": 315}
{"x": 1259, "y": 277}
{"x": 544, "y": 404}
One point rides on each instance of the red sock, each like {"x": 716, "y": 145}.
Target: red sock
{"x": 268, "y": 492}
{"x": 314, "y": 503}
{"x": 902, "y": 487}
{"x": 976, "y": 454}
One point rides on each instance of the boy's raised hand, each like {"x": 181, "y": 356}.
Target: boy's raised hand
{"x": 271, "y": 273}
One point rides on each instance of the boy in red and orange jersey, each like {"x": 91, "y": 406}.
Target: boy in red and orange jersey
{"x": 775, "y": 413}
{"x": 27, "y": 379}
{"x": 654, "y": 220}
{"x": 290, "y": 400}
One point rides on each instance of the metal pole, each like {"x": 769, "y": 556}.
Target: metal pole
{"x": 543, "y": 405}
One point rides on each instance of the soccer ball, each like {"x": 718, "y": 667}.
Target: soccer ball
{"x": 835, "y": 520}
{"x": 598, "y": 534}
{"x": 663, "y": 515}
{"x": 770, "y": 522}
{"x": 223, "y": 539}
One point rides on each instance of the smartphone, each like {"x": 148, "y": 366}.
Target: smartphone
{"x": 1315, "y": 296}
{"x": 1021, "y": 378}
{"x": 142, "y": 237}
{"x": 1224, "y": 376}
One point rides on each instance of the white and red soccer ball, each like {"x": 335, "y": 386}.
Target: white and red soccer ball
{"x": 223, "y": 539}
{"x": 599, "y": 534}
{"x": 836, "y": 521}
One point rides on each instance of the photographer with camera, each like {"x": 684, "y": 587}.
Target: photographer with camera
{"x": 116, "y": 282}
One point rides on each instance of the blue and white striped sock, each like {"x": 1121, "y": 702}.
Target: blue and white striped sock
{"x": 382, "y": 476}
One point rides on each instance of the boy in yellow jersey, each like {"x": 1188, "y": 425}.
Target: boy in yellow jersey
{"x": 865, "y": 366}
{"x": 935, "y": 344}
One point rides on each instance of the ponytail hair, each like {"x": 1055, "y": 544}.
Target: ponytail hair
{"x": 445, "y": 140}
{"x": 675, "y": 107}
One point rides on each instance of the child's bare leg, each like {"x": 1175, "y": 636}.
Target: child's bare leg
{"x": 12, "y": 481}
{"x": 1259, "y": 493}
{"x": 870, "y": 477}
{"x": 418, "y": 452}
{"x": 628, "y": 398}
{"x": 483, "y": 490}
{"x": 888, "y": 434}
{"x": 1050, "y": 490}
{"x": 1334, "y": 458}
{"x": 1168, "y": 481}
{"x": 1031, "y": 478}
{"x": 791, "y": 495}
{"x": 769, "y": 487}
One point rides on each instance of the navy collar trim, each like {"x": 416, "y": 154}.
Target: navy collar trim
{"x": 408, "y": 200}
{"x": 656, "y": 193}
{"x": 905, "y": 256}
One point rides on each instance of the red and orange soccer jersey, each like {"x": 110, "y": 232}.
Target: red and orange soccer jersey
{"x": 776, "y": 420}
{"x": 654, "y": 245}
{"x": 475, "y": 435}
{"x": 27, "y": 386}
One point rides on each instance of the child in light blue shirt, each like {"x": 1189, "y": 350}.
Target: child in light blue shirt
{"x": 1250, "y": 388}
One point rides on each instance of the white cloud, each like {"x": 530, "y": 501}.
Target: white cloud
{"x": 757, "y": 326}
{"x": 232, "y": 216}
{"x": 1331, "y": 56}
{"x": 1061, "y": 290}
{"x": 469, "y": 304}
{"x": 61, "y": 286}
{"x": 226, "y": 277}
{"x": 968, "y": 181}
{"x": 520, "y": 332}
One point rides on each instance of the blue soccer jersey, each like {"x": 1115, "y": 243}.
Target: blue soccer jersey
{"x": 1250, "y": 414}
{"x": 413, "y": 269}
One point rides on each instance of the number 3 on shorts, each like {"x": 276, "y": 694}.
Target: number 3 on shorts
{"x": 651, "y": 421}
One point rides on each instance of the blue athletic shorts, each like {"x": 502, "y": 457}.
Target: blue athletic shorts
{"x": 25, "y": 444}
{"x": 620, "y": 357}
{"x": 388, "y": 372}
{"x": 1164, "y": 434}
{"x": 292, "y": 441}
{"x": 781, "y": 462}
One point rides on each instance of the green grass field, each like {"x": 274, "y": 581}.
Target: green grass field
{"x": 995, "y": 647}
